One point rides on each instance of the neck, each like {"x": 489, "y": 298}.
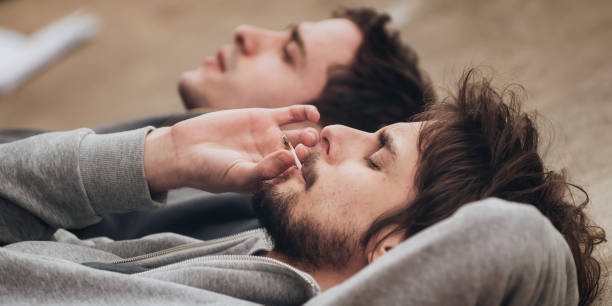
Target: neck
{"x": 325, "y": 277}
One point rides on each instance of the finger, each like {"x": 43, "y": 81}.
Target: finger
{"x": 270, "y": 167}
{"x": 295, "y": 113}
{"x": 302, "y": 151}
{"x": 307, "y": 136}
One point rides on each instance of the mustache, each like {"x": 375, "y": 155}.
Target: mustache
{"x": 308, "y": 169}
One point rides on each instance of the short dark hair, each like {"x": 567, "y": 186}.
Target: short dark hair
{"x": 382, "y": 85}
{"x": 479, "y": 144}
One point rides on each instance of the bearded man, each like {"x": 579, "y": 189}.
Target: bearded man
{"x": 421, "y": 213}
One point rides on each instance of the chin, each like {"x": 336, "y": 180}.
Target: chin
{"x": 190, "y": 97}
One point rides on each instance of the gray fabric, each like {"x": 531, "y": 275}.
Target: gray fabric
{"x": 70, "y": 180}
{"x": 189, "y": 212}
{"x": 9, "y": 135}
{"x": 44, "y": 267}
{"x": 488, "y": 253}
{"x": 100, "y": 171}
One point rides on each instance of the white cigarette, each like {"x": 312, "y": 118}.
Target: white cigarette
{"x": 297, "y": 160}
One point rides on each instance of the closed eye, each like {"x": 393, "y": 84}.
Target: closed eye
{"x": 372, "y": 164}
{"x": 286, "y": 55}
{"x": 294, "y": 37}
{"x": 383, "y": 140}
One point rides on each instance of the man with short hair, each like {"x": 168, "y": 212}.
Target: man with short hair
{"x": 372, "y": 218}
{"x": 355, "y": 70}
{"x": 352, "y": 67}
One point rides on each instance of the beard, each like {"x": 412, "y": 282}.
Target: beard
{"x": 303, "y": 240}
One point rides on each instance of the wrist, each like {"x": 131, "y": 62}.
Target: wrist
{"x": 160, "y": 167}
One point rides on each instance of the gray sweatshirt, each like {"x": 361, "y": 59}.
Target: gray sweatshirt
{"x": 489, "y": 253}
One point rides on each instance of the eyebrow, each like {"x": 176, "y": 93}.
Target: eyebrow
{"x": 297, "y": 37}
{"x": 388, "y": 142}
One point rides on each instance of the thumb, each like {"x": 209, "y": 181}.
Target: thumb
{"x": 274, "y": 164}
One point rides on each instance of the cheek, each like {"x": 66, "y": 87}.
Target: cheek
{"x": 335, "y": 185}
{"x": 315, "y": 76}
{"x": 361, "y": 195}
{"x": 273, "y": 83}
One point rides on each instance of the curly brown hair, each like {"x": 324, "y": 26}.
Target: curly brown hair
{"x": 382, "y": 85}
{"x": 479, "y": 144}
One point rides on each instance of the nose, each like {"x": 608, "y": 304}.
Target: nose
{"x": 251, "y": 40}
{"x": 342, "y": 142}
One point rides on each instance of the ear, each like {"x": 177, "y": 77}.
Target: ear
{"x": 385, "y": 246}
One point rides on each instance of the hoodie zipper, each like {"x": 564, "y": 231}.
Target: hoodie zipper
{"x": 186, "y": 247}
{"x": 242, "y": 258}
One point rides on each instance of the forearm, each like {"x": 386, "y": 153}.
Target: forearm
{"x": 69, "y": 179}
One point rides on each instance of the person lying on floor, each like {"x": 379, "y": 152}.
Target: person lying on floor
{"x": 353, "y": 67}
{"x": 420, "y": 213}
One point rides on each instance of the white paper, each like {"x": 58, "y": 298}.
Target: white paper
{"x": 21, "y": 56}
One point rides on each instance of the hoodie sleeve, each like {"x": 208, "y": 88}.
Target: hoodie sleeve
{"x": 490, "y": 252}
{"x": 70, "y": 180}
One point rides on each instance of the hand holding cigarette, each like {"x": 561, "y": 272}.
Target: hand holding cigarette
{"x": 233, "y": 150}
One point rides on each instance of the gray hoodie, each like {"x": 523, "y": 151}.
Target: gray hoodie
{"x": 488, "y": 253}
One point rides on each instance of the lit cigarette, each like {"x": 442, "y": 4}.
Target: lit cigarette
{"x": 287, "y": 143}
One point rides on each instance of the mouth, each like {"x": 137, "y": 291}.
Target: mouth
{"x": 307, "y": 175}
{"x": 291, "y": 172}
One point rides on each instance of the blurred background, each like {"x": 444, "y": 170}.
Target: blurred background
{"x": 559, "y": 50}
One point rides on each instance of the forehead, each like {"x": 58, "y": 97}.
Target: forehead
{"x": 404, "y": 137}
{"x": 333, "y": 40}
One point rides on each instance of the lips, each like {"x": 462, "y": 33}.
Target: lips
{"x": 307, "y": 175}
{"x": 294, "y": 171}
{"x": 286, "y": 175}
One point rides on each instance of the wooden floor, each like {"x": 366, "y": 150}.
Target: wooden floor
{"x": 559, "y": 50}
